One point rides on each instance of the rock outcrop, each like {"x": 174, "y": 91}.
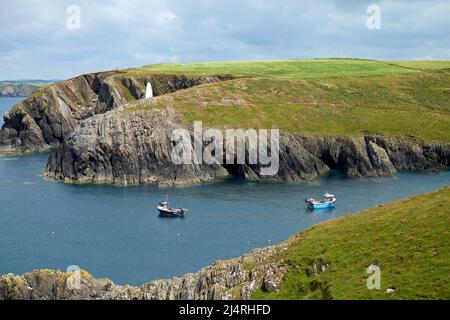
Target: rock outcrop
{"x": 224, "y": 280}
{"x": 45, "y": 118}
{"x": 52, "y": 113}
{"x": 125, "y": 149}
{"x": 307, "y": 157}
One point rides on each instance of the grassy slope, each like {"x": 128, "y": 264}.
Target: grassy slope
{"x": 424, "y": 65}
{"x": 326, "y": 97}
{"x": 408, "y": 240}
{"x": 290, "y": 69}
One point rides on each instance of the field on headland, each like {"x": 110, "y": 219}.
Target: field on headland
{"x": 407, "y": 239}
{"x": 287, "y": 69}
{"x": 325, "y": 96}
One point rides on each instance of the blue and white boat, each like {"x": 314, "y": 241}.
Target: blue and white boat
{"x": 328, "y": 201}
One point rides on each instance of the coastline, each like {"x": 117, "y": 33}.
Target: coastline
{"x": 260, "y": 272}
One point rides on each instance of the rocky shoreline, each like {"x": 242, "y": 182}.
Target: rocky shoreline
{"x": 104, "y": 132}
{"x": 233, "y": 279}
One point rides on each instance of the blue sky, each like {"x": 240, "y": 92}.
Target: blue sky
{"x": 35, "y": 42}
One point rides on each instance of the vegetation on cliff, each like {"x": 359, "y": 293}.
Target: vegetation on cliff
{"x": 407, "y": 239}
{"x": 325, "y": 97}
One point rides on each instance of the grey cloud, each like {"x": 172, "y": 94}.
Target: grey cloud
{"x": 125, "y": 33}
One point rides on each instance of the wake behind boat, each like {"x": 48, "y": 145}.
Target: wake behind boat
{"x": 166, "y": 211}
{"x": 328, "y": 201}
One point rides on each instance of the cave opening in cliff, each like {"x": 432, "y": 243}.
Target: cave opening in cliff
{"x": 234, "y": 170}
{"x": 333, "y": 163}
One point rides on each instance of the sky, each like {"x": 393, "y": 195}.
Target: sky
{"x": 47, "y": 39}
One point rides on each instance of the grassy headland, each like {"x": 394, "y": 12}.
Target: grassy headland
{"x": 287, "y": 69}
{"x": 408, "y": 240}
{"x": 324, "y": 96}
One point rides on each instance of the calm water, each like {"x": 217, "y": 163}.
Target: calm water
{"x": 115, "y": 232}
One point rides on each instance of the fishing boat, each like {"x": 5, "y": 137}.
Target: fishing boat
{"x": 166, "y": 211}
{"x": 328, "y": 201}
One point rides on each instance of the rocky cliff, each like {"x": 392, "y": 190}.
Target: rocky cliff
{"x": 125, "y": 149}
{"x": 224, "y": 280}
{"x": 43, "y": 120}
{"x": 105, "y": 133}
{"x": 134, "y": 147}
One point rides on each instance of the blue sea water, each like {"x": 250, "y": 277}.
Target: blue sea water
{"x": 115, "y": 232}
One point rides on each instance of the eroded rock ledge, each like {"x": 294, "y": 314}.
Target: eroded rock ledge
{"x": 135, "y": 148}
{"x": 224, "y": 280}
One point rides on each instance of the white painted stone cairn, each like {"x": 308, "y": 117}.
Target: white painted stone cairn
{"x": 149, "y": 91}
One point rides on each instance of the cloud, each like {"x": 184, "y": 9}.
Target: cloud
{"x": 35, "y": 42}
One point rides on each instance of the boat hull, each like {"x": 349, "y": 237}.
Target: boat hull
{"x": 172, "y": 213}
{"x": 317, "y": 206}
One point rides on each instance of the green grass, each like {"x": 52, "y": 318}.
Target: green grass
{"x": 424, "y": 65}
{"x": 408, "y": 240}
{"x": 322, "y": 96}
{"x": 416, "y": 105}
{"x": 124, "y": 91}
{"x": 287, "y": 69}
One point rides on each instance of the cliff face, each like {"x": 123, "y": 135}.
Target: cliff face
{"x": 99, "y": 141}
{"x": 48, "y": 116}
{"x": 125, "y": 149}
{"x": 233, "y": 279}
{"x": 134, "y": 147}
{"x": 45, "y": 118}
